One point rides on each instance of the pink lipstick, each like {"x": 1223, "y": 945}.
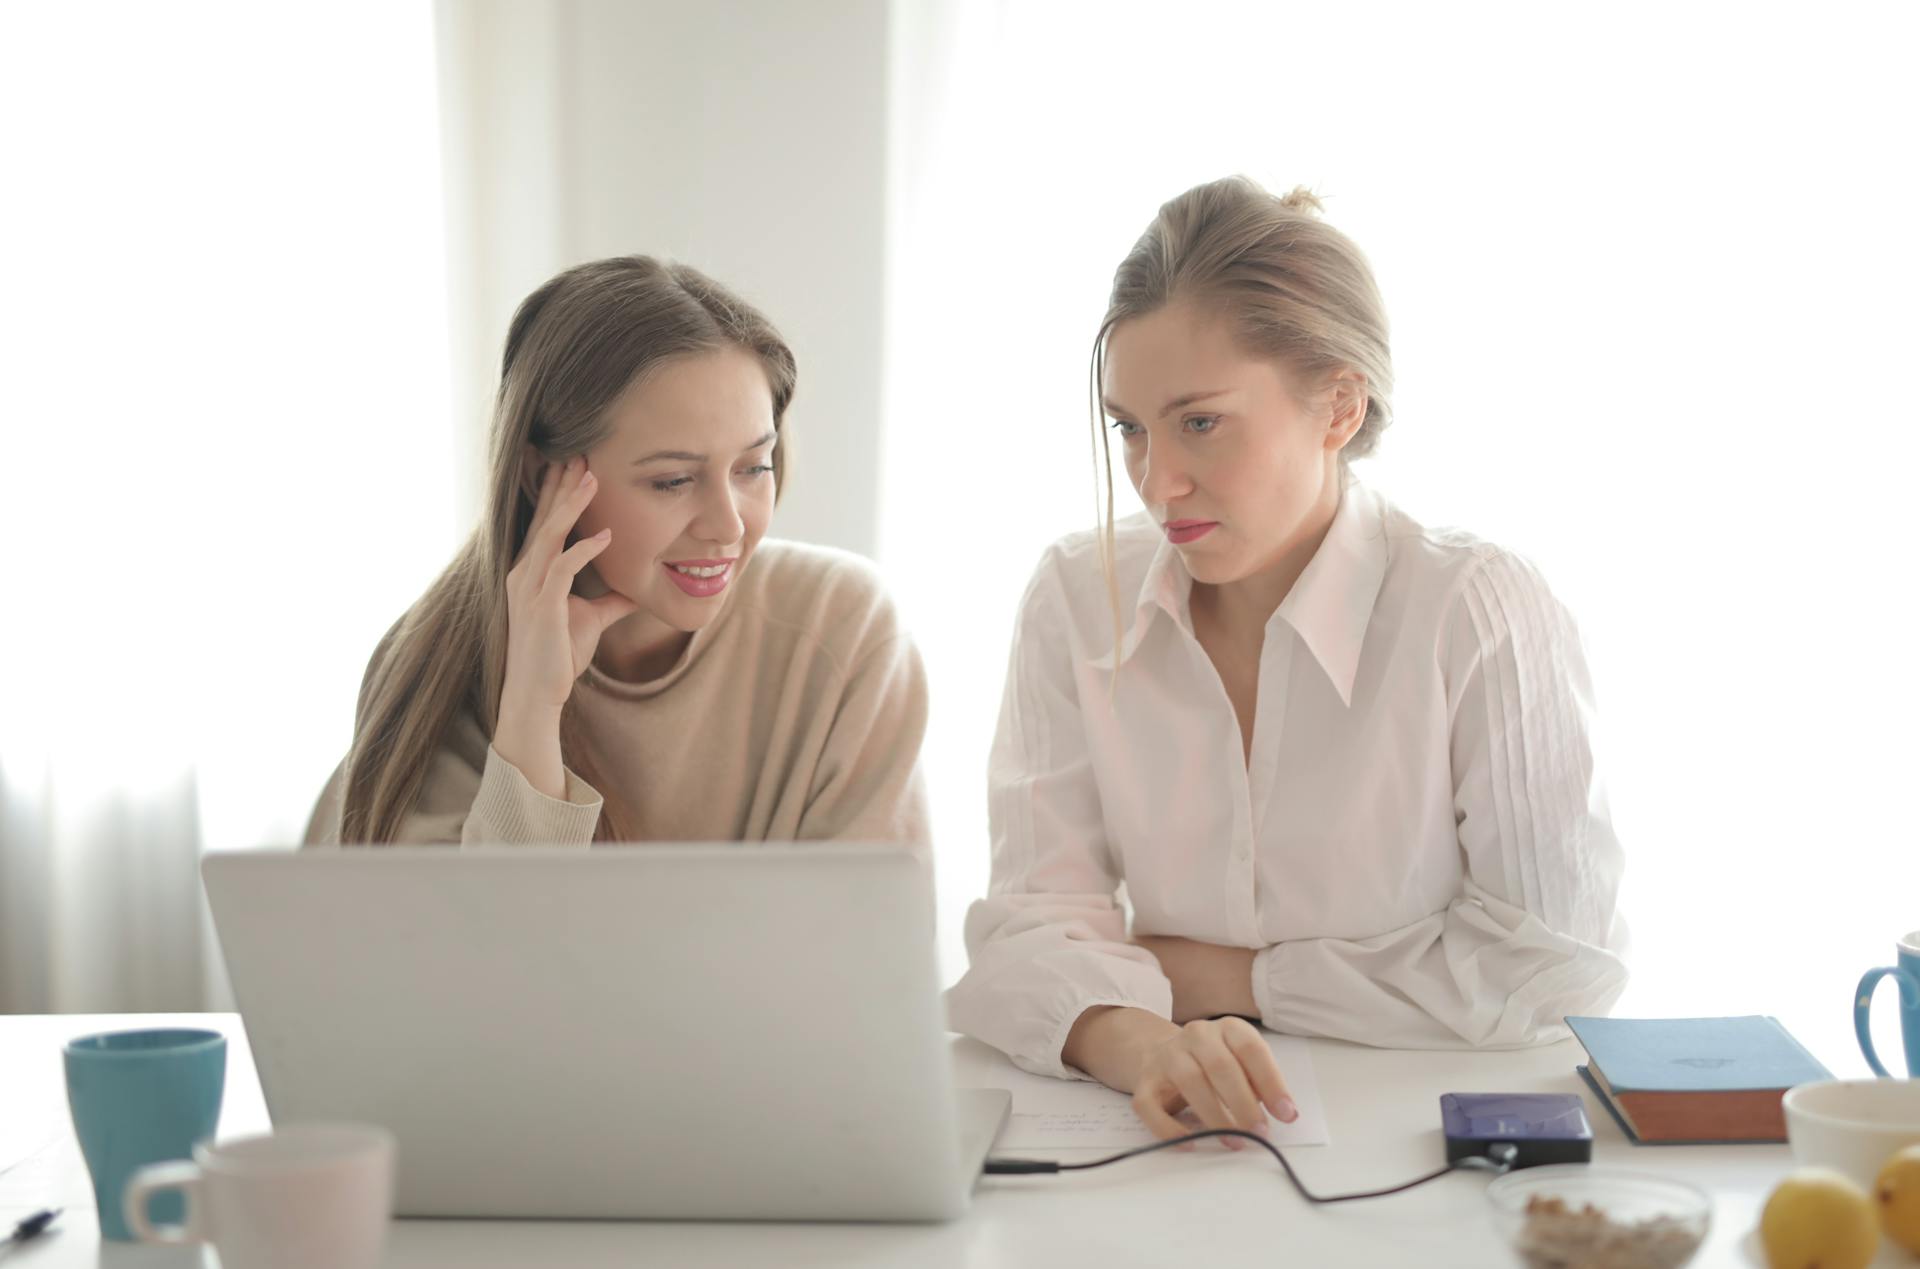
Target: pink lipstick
{"x": 1181, "y": 532}
{"x": 700, "y": 578}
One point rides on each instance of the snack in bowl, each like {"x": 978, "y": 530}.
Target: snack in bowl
{"x": 1574, "y": 1216}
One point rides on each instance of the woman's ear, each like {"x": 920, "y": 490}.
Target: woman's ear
{"x": 1347, "y": 400}
{"x": 532, "y": 467}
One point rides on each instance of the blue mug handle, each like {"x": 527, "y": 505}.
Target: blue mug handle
{"x": 1863, "y": 1002}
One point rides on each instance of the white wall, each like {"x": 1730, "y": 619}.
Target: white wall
{"x": 747, "y": 139}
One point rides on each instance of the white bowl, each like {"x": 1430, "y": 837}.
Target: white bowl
{"x": 1852, "y": 1125}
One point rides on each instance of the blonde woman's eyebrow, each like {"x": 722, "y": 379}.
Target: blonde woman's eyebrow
{"x": 1178, "y": 403}
{"x": 687, "y": 456}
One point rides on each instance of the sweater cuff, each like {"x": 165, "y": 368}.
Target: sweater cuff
{"x": 509, "y": 811}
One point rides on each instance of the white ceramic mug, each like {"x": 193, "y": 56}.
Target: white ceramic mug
{"x": 1852, "y": 1125}
{"x": 306, "y": 1196}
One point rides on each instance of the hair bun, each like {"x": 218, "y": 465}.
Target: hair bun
{"x": 1302, "y": 199}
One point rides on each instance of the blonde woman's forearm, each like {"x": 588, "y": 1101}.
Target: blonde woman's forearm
{"x": 1109, "y": 1042}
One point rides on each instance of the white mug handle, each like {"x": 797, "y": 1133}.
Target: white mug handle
{"x": 154, "y": 1179}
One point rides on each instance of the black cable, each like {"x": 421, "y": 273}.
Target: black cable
{"x": 32, "y": 1226}
{"x": 27, "y": 1230}
{"x": 1499, "y": 1159}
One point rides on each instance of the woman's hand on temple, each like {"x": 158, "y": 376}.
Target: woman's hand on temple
{"x": 551, "y": 632}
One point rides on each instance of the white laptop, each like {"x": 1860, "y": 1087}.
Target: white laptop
{"x": 699, "y": 1032}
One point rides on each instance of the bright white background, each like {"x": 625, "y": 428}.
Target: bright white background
{"x": 1649, "y": 271}
{"x": 1651, "y": 275}
{"x": 227, "y": 449}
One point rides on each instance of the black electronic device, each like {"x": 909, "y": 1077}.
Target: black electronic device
{"x": 1541, "y": 1127}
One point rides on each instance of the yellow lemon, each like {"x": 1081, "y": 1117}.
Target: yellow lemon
{"x": 1897, "y": 1192}
{"x": 1817, "y": 1217}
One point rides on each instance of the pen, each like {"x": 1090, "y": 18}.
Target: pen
{"x": 33, "y": 1226}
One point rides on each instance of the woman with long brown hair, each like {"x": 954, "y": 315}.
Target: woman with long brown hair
{"x": 619, "y": 653}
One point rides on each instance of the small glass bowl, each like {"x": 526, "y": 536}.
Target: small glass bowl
{"x": 1576, "y": 1216}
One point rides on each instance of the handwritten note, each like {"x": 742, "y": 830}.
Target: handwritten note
{"x": 1060, "y": 1114}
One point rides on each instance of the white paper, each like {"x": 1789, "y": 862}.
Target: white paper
{"x": 1050, "y": 1114}
{"x": 25, "y": 1142}
{"x": 24, "y": 1132}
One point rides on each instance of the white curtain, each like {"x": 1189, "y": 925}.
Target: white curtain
{"x": 1651, "y": 274}
{"x": 228, "y": 447}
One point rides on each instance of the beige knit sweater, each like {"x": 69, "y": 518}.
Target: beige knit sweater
{"x": 796, "y": 714}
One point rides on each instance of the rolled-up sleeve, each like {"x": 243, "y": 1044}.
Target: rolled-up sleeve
{"x": 1050, "y": 940}
{"x": 1536, "y": 933}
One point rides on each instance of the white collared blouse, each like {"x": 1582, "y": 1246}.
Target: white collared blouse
{"x": 1418, "y": 843}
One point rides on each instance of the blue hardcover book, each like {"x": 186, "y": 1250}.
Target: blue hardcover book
{"x": 1679, "y": 1081}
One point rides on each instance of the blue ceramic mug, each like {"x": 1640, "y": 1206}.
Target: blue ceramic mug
{"x": 1907, "y": 974}
{"x": 141, "y": 1097}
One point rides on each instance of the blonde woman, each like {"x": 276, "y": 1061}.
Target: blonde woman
{"x": 1342, "y": 762}
{"x": 619, "y": 653}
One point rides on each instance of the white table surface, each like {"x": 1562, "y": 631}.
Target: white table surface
{"x": 1209, "y": 1207}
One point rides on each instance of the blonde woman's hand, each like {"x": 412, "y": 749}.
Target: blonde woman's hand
{"x": 1222, "y": 1071}
{"x": 551, "y": 632}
